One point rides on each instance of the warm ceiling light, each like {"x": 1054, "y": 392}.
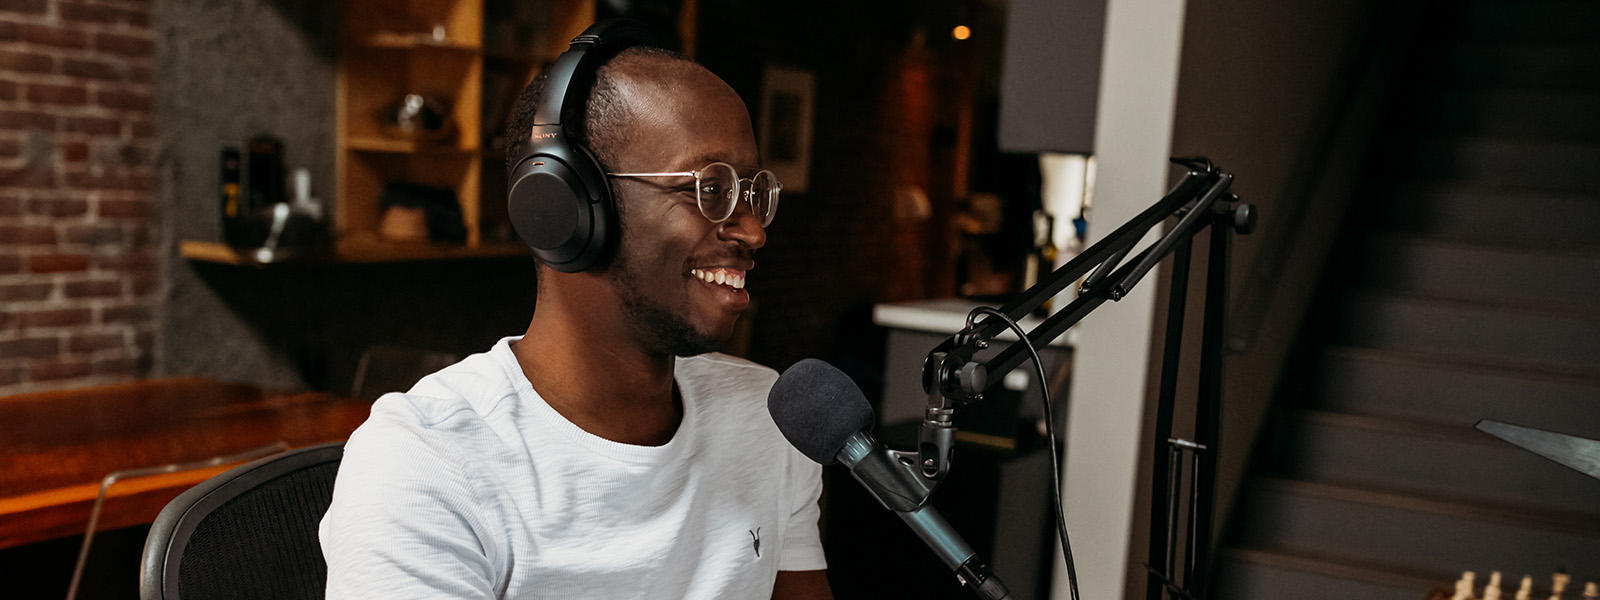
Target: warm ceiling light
{"x": 961, "y": 32}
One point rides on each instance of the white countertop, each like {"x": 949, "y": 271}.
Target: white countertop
{"x": 946, "y": 316}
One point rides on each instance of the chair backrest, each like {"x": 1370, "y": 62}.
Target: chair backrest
{"x": 248, "y": 533}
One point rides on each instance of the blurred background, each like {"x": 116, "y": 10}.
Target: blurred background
{"x": 295, "y": 196}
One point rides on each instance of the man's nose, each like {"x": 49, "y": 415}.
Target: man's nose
{"x": 744, "y": 227}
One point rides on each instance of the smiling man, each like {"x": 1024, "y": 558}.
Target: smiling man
{"x": 607, "y": 452}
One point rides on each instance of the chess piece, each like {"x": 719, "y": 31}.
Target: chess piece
{"x": 1558, "y": 585}
{"x": 1591, "y": 590}
{"x": 1492, "y": 591}
{"x": 1526, "y": 591}
{"x": 1464, "y": 586}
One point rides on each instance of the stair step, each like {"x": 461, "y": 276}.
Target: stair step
{"x": 1530, "y": 336}
{"x": 1276, "y": 573}
{"x": 1518, "y": 114}
{"x": 1524, "y": 21}
{"x": 1502, "y": 163}
{"x": 1477, "y": 213}
{"x": 1538, "y": 65}
{"x": 1433, "y": 459}
{"x": 1452, "y": 392}
{"x": 1482, "y": 271}
{"x": 1412, "y": 532}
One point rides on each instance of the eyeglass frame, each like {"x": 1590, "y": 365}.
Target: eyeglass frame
{"x": 741, "y": 192}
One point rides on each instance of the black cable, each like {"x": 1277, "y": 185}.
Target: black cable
{"x": 1050, "y": 431}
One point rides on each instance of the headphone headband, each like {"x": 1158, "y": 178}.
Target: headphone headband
{"x": 574, "y": 71}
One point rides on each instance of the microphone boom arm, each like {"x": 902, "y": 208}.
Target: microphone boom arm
{"x": 952, "y": 376}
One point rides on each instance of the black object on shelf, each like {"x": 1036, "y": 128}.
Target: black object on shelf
{"x": 439, "y": 206}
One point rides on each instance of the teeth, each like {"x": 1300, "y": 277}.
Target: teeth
{"x": 719, "y": 277}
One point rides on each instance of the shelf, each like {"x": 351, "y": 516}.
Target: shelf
{"x": 356, "y": 251}
{"x": 416, "y": 41}
{"x": 402, "y": 146}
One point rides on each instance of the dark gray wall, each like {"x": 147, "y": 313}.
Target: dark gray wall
{"x": 231, "y": 69}
{"x": 228, "y": 70}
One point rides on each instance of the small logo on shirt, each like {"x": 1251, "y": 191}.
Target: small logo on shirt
{"x": 755, "y": 540}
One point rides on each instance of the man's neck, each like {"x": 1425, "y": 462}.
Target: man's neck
{"x": 598, "y": 378}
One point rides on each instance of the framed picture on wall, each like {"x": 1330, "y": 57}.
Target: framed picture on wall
{"x": 788, "y": 98}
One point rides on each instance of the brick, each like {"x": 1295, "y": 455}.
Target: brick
{"x": 59, "y": 317}
{"x": 37, "y": 7}
{"x": 144, "y": 286}
{"x": 127, "y": 314}
{"x": 10, "y": 148}
{"x": 26, "y": 292}
{"x": 138, "y": 74}
{"x": 57, "y": 369}
{"x": 30, "y": 347}
{"x": 10, "y": 32}
{"x": 60, "y": 95}
{"x": 26, "y": 62}
{"x": 140, "y": 260}
{"x": 101, "y": 14}
{"x": 123, "y": 100}
{"x": 75, "y": 152}
{"x": 144, "y": 129}
{"x": 28, "y": 235}
{"x": 27, "y": 176}
{"x": 26, "y": 119}
{"x": 10, "y": 206}
{"x": 108, "y": 179}
{"x": 125, "y": 209}
{"x": 10, "y": 374}
{"x": 119, "y": 365}
{"x": 59, "y": 37}
{"x": 93, "y": 125}
{"x": 10, "y": 264}
{"x": 91, "y": 69}
{"x": 126, "y": 45}
{"x": 57, "y": 263}
{"x": 99, "y": 288}
{"x": 93, "y": 234}
{"x": 86, "y": 343}
{"x": 8, "y": 90}
{"x": 60, "y": 207}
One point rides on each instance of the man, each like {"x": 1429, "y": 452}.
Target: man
{"x": 603, "y": 454}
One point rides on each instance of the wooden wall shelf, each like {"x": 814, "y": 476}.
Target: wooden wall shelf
{"x": 400, "y": 146}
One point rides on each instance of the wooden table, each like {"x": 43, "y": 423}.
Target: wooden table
{"x": 55, "y": 447}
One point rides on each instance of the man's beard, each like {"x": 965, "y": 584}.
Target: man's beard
{"x": 660, "y": 328}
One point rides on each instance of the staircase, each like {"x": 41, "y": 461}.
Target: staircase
{"x": 1476, "y": 294}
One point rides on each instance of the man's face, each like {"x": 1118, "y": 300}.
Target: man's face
{"x": 668, "y": 248}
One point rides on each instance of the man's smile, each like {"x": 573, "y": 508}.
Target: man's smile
{"x": 733, "y": 278}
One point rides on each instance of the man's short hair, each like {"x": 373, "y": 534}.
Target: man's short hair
{"x": 606, "y": 116}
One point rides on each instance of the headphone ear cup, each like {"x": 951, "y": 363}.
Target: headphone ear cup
{"x": 560, "y": 206}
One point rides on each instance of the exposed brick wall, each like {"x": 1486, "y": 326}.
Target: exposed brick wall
{"x": 79, "y": 277}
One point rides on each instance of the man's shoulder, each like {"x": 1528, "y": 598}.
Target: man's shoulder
{"x": 471, "y": 390}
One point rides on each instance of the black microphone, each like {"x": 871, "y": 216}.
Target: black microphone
{"x": 825, "y": 416}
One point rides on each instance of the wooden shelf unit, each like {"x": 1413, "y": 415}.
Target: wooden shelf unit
{"x": 393, "y": 48}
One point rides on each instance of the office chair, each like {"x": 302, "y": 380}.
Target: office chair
{"x": 248, "y": 533}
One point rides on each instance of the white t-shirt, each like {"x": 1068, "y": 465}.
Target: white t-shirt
{"x": 471, "y": 486}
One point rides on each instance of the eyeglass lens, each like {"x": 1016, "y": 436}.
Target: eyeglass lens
{"x": 720, "y": 190}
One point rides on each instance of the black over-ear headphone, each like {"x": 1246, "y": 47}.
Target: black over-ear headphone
{"x": 560, "y": 202}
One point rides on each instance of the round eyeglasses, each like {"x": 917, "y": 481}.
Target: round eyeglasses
{"x": 718, "y": 190}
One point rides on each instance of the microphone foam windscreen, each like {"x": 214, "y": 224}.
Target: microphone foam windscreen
{"x": 818, "y": 408}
